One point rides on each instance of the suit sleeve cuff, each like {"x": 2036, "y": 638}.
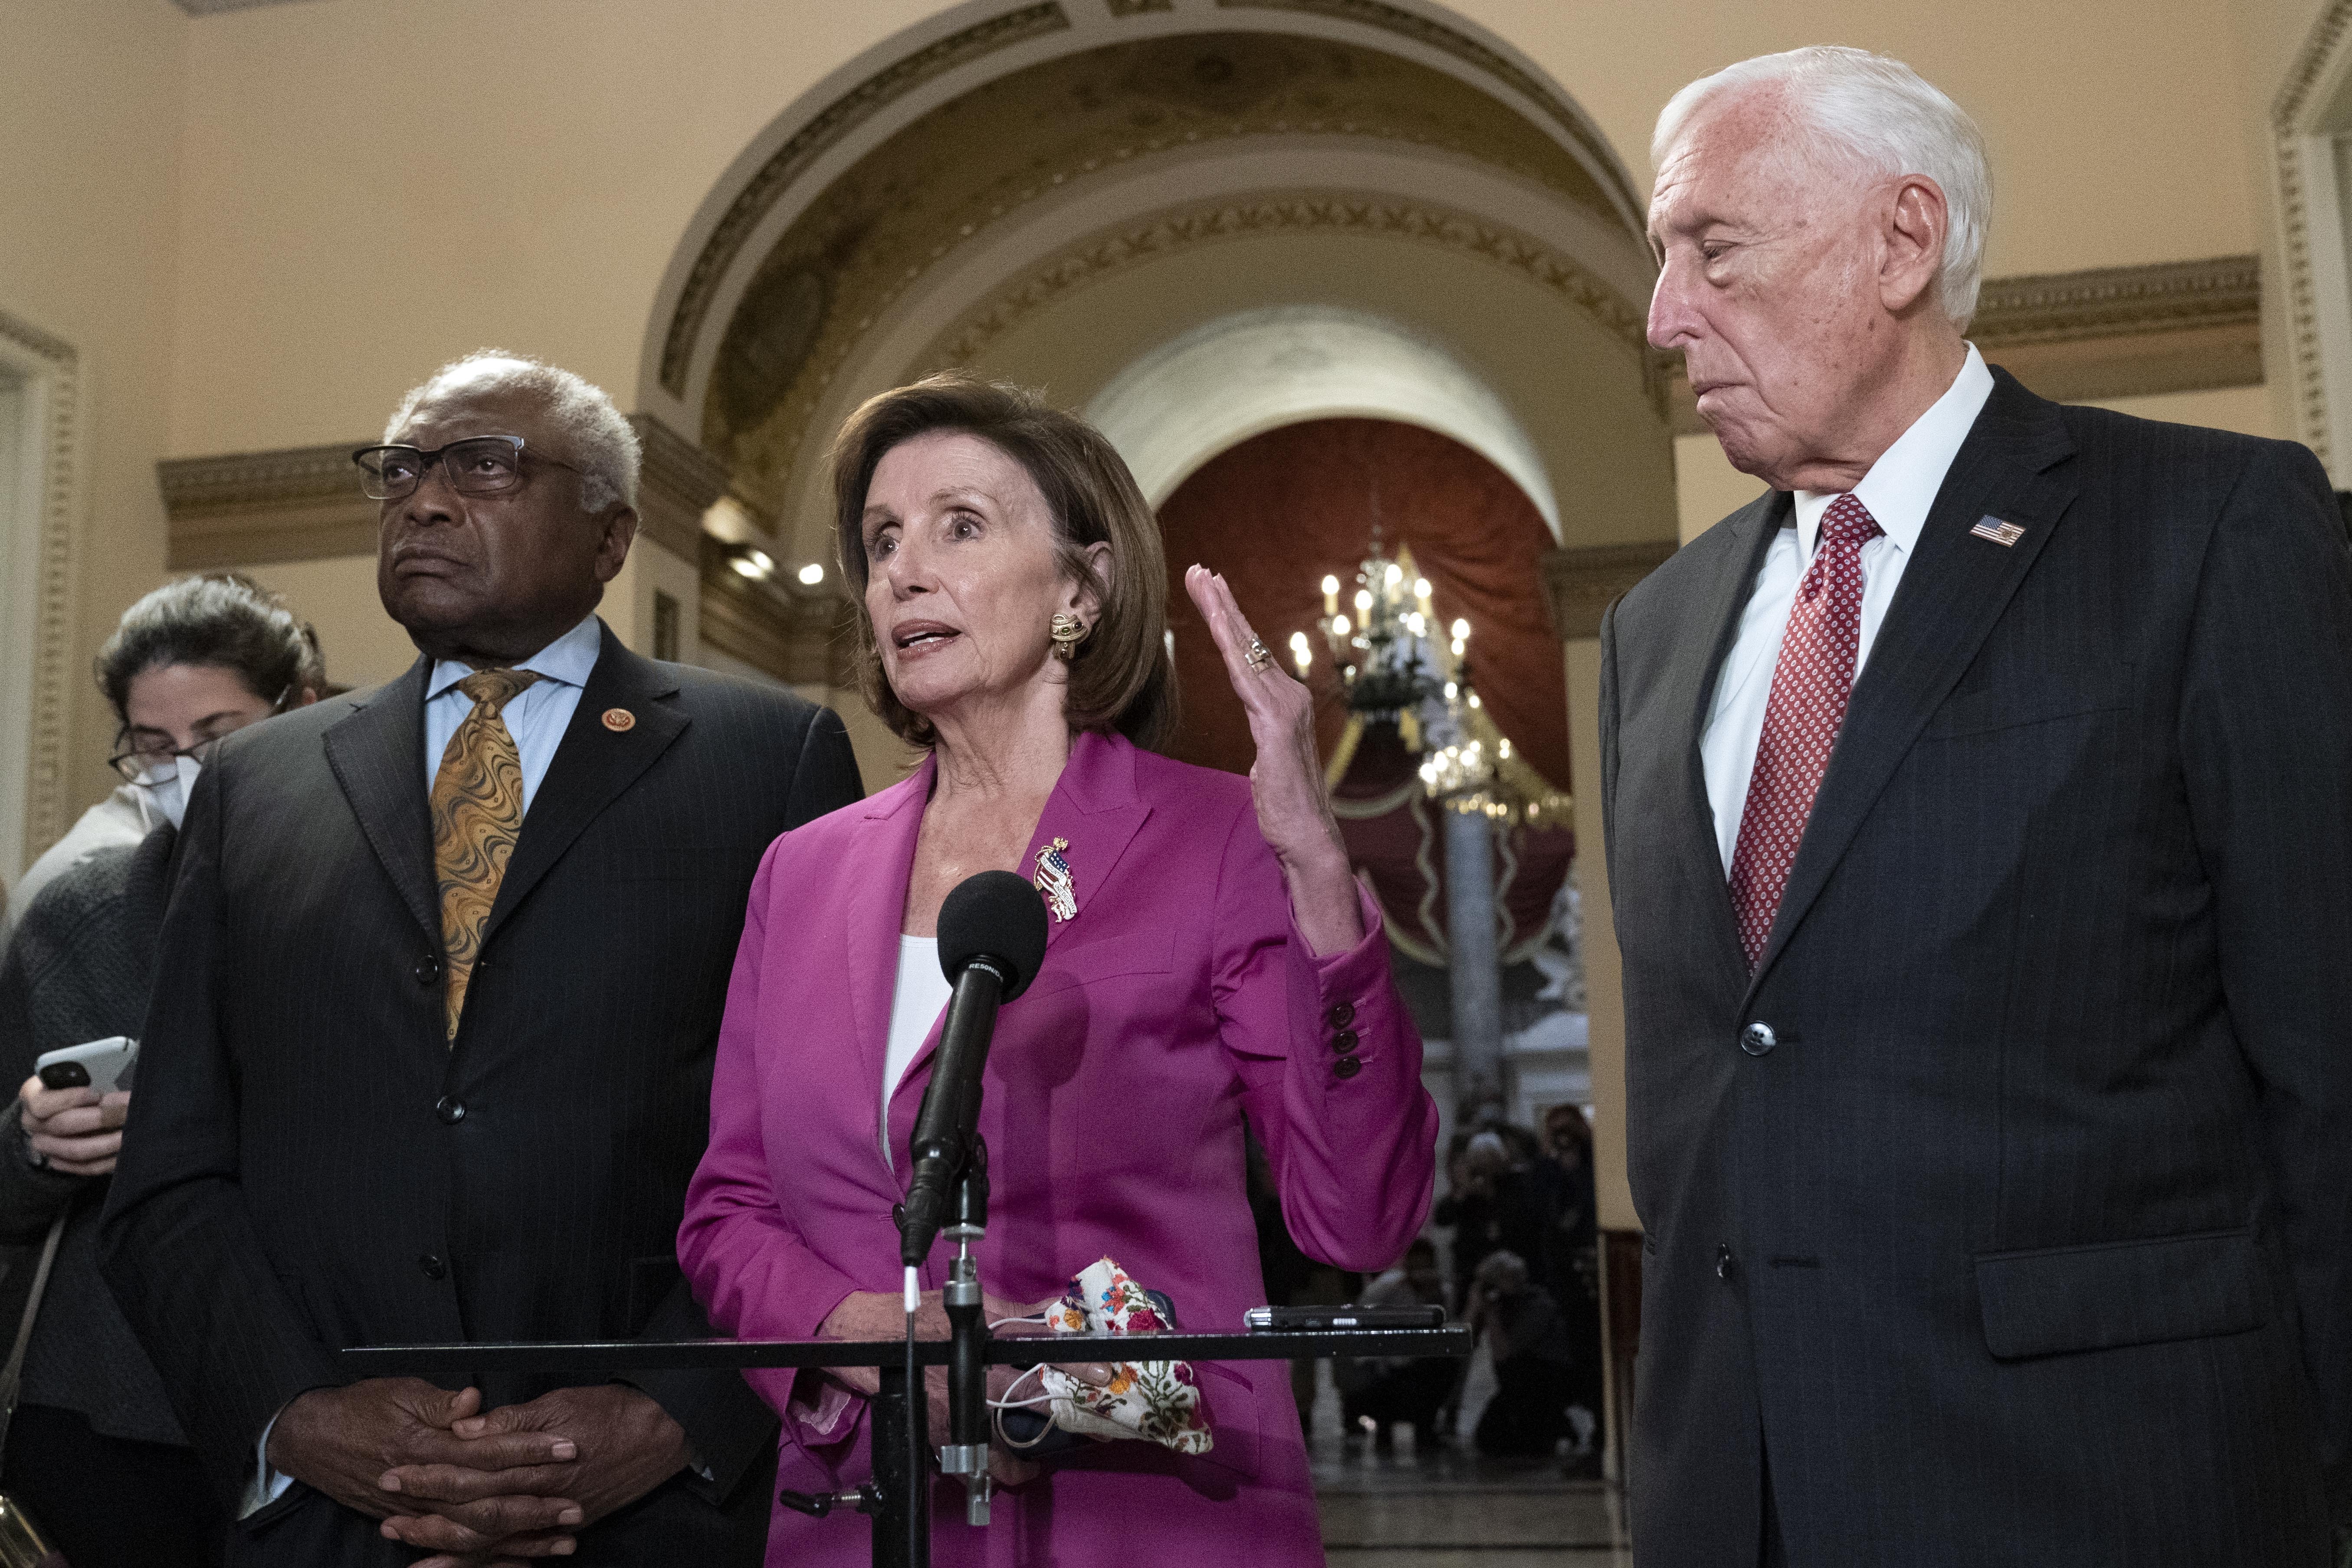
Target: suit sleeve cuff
{"x": 267, "y": 1485}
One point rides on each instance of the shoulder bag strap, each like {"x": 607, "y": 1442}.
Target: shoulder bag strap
{"x": 12, "y": 1375}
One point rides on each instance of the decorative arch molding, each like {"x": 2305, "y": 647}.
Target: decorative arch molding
{"x": 831, "y": 130}
{"x": 1213, "y": 387}
{"x": 40, "y": 587}
{"x": 2310, "y": 120}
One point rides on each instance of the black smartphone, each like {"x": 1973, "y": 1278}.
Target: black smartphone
{"x": 1302, "y": 1319}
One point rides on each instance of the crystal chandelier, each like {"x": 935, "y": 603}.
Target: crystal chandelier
{"x": 1392, "y": 667}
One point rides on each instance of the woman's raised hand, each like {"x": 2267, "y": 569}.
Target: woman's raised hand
{"x": 1294, "y": 812}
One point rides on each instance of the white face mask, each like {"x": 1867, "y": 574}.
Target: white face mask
{"x": 166, "y": 789}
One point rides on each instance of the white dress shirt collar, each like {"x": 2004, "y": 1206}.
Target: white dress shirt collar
{"x": 1902, "y": 485}
{"x": 569, "y": 659}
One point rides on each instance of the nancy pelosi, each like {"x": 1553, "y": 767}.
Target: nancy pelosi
{"x": 1212, "y": 967}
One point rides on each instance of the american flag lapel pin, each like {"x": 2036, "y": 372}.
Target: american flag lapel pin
{"x": 1053, "y": 880}
{"x": 2002, "y": 533}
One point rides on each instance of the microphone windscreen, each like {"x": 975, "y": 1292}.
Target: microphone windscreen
{"x": 999, "y": 915}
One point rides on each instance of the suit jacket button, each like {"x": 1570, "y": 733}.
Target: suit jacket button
{"x": 1344, "y": 1041}
{"x": 450, "y": 1110}
{"x": 1757, "y": 1039}
{"x": 427, "y": 971}
{"x": 433, "y": 1267}
{"x": 1346, "y": 1067}
{"x": 1342, "y": 1013}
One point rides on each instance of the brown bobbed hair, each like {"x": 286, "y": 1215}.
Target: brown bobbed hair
{"x": 1121, "y": 678}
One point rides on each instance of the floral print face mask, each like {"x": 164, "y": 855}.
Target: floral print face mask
{"x": 1158, "y": 1402}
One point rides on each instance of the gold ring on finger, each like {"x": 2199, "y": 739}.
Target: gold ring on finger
{"x": 1258, "y": 654}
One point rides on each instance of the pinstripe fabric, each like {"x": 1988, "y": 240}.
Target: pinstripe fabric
{"x": 288, "y": 1185}
{"x": 2028, "y": 1241}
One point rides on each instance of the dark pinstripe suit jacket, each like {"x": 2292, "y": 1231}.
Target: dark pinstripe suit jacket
{"x": 2028, "y": 1241}
{"x": 309, "y": 1165}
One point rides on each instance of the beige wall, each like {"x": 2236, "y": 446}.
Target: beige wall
{"x": 89, "y": 114}
{"x": 349, "y": 222}
{"x": 259, "y": 227}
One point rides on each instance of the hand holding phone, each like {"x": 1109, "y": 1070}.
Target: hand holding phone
{"x": 73, "y": 1106}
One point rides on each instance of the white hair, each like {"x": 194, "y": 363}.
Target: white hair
{"x": 604, "y": 447}
{"x": 1881, "y": 113}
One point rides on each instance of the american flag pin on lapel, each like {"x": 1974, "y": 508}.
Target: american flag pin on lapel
{"x": 2002, "y": 533}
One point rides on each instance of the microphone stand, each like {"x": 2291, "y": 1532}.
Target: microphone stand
{"x": 966, "y": 1453}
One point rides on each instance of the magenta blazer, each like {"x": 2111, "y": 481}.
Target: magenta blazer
{"x": 1179, "y": 1003}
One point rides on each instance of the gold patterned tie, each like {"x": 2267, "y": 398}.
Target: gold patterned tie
{"x": 477, "y": 816}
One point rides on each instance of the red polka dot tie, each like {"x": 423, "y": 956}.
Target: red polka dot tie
{"x": 1809, "y": 687}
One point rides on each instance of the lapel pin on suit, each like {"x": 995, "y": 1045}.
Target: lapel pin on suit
{"x": 619, "y": 720}
{"x": 1052, "y": 881}
{"x": 2002, "y": 533}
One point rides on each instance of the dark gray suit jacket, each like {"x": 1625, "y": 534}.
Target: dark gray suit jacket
{"x": 309, "y": 1164}
{"x": 2029, "y": 1240}
{"x": 78, "y": 969}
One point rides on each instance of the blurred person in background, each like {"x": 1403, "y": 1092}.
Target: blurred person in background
{"x": 1376, "y": 1392}
{"x": 1491, "y": 1205}
{"x": 1562, "y": 1180}
{"x": 1528, "y": 1338}
{"x": 184, "y": 702}
{"x": 92, "y": 1431}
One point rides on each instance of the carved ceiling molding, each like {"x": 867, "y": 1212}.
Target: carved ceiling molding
{"x": 2118, "y": 301}
{"x": 1579, "y": 585}
{"x": 303, "y": 503}
{"x": 1183, "y": 229}
{"x": 1436, "y": 35}
{"x": 917, "y": 204}
{"x": 2111, "y": 332}
{"x": 800, "y": 638}
{"x": 722, "y": 250}
{"x": 835, "y": 120}
{"x": 2294, "y": 117}
{"x": 676, "y": 484}
{"x": 248, "y": 508}
{"x": 58, "y": 367}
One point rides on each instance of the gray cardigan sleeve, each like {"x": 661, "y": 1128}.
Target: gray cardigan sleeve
{"x": 72, "y": 973}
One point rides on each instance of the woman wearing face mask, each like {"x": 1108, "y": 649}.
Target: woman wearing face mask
{"x": 1211, "y": 963}
{"x": 93, "y": 1452}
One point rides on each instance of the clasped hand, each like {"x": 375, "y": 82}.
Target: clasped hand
{"x": 517, "y": 1482}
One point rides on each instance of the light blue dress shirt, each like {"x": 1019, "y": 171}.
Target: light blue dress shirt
{"x": 537, "y": 717}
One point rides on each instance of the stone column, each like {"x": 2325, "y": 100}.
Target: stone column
{"x": 1473, "y": 969}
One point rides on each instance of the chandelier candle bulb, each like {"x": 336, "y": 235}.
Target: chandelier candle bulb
{"x": 811, "y": 574}
{"x": 1331, "y": 597}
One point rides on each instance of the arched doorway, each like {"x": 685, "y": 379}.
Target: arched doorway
{"x": 1098, "y": 201}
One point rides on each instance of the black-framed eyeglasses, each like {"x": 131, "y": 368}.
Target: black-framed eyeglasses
{"x": 153, "y": 769}
{"x": 152, "y": 765}
{"x": 477, "y": 466}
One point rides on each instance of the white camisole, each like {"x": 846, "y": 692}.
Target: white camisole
{"x": 916, "y": 999}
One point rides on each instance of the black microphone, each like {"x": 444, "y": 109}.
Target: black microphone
{"x": 992, "y": 940}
